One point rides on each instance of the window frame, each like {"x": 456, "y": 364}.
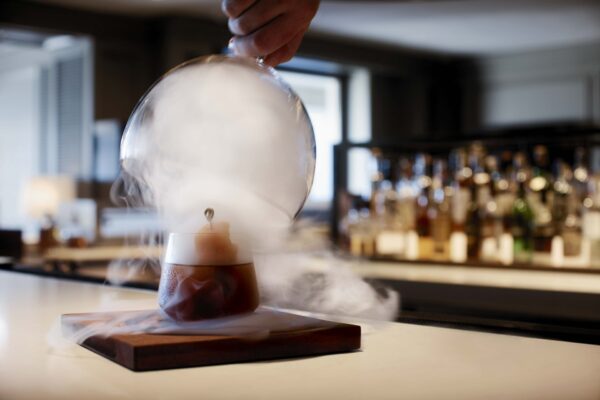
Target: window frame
{"x": 327, "y": 214}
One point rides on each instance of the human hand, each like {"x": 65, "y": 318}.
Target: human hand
{"x": 272, "y": 29}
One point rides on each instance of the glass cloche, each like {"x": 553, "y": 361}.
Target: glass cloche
{"x": 225, "y": 133}
{"x": 225, "y": 151}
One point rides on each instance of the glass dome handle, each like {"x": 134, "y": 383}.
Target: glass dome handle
{"x": 231, "y": 51}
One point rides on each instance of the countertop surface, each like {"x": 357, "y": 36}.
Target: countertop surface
{"x": 397, "y": 360}
{"x": 511, "y": 278}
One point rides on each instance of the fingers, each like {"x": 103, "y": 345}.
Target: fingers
{"x": 235, "y": 8}
{"x": 256, "y": 16}
{"x": 270, "y": 38}
{"x": 286, "y": 52}
{"x": 269, "y": 28}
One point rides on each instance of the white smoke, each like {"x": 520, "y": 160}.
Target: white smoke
{"x": 226, "y": 135}
{"x": 230, "y": 136}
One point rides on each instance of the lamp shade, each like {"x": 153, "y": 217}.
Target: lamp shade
{"x": 44, "y": 194}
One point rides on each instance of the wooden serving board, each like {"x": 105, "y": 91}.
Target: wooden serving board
{"x": 289, "y": 335}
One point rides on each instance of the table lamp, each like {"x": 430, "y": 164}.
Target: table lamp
{"x": 43, "y": 196}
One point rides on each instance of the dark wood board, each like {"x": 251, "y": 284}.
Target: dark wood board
{"x": 145, "y": 352}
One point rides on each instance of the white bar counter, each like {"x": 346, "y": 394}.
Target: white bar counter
{"x": 397, "y": 360}
{"x": 509, "y": 278}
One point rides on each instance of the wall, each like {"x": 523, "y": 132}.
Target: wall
{"x": 131, "y": 52}
{"x": 124, "y": 66}
{"x": 20, "y": 116}
{"x": 542, "y": 87}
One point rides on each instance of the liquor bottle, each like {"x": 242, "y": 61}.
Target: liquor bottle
{"x": 505, "y": 199}
{"x": 473, "y": 225}
{"x": 540, "y": 200}
{"x": 561, "y": 189}
{"x": 580, "y": 174}
{"x": 560, "y": 192}
{"x": 591, "y": 218}
{"x": 576, "y": 248}
{"x": 459, "y": 205}
{"x": 389, "y": 238}
{"x": 491, "y": 224}
{"x": 351, "y": 225}
{"x": 366, "y": 233}
{"x": 572, "y": 229}
{"x": 380, "y": 169}
{"x": 407, "y": 193}
{"x": 439, "y": 212}
{"x": 522, "y": 216}
{"x": 422, "y": 175}
{"x": 376, "y": 204}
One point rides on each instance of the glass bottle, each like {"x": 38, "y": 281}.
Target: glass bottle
{"x": 572, "y": 229}
{"x": 407, "y": 193}
{"x": 461, "y": 183}
{"x": 540, "y": 200}
{"x": 522, "y": 216}
{"x": 389, "y": 238}
{"x": 580, "y": 174}
{"x": 591, "y": 219}
{"x": 473, "y": 225}
{"x": 350, "y": 225}
{"x": 505, "y": 199}
{"x": 491, "y": 227}
{"x": 439, "y": 212}
{"x": 423, "y": 181}
{"x": 366, "y": 231}
{"x": 376, "y": 203}
{"x": 561, "y": 190}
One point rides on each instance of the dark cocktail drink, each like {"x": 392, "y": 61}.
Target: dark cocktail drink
{"x": 204, "y": 276}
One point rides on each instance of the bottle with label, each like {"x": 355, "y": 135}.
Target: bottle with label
{"x": 580, "y": 174}
{"x": 571, "y": 231}
{"x": 473, "y": 226}
{"x": 576, "y": 249}
{"x": 463, "y": 178}
{"x": 351, "y": 225}
{"x": 423, "y": 181}
{"x": 376, "y": 203}
{"x": 560, "y": 192}
{"x": 389, "y": 238}
{"x": 366, "y": 232}
{"x": 561, "y": 189}
{"x": 473, "y": 223}
{"x": 591, "y": 220}
{"x": 439, "y": 212}
{"x": 380, "y": 170}
{"x": 491, "y": 223}
{"x": 460, "y": 201}
{"x": 504, "y": 199}
{"x": 407, "y": 192}
{"x": 522, "y": 223}
{"x": 540, "y": 198}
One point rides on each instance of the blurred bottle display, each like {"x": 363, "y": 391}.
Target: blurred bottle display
{"x": 479, "y": 205}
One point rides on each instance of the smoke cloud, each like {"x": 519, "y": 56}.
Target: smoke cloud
{"x": 229, "y": 135}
